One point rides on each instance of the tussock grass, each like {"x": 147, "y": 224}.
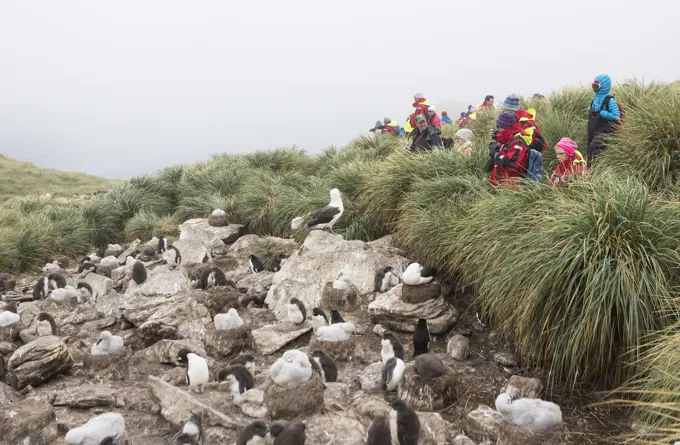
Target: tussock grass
{"x": 266, "y": 249}
{"x": 23, "y": 178}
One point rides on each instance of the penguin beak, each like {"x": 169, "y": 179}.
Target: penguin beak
{"x": 99, "y": 341}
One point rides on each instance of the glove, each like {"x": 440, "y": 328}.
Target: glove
{"x": 501, "y": 160}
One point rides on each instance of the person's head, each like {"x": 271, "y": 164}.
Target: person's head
{"x": 489, "y": 100}
{"x": 421, "y": 122}
{"x": 506, "y": 119}
{"x": 431, "y": 110}
{"x": 444, "y": 113}
{"x": 417, "y": 96}
{"x": 511, "y": 103}
{"x": 378, "y": 125}
{"x": 565, "y": 149}
{"x": 463, "y": 135}
{"x": 463, "y": 114}
{"x": 602, "y": 84}
{"x": 387, "y": 120}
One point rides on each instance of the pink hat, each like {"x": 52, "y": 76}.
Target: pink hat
{"x": 568, "y": 146}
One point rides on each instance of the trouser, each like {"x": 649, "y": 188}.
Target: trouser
{"x": 595, "y": 147}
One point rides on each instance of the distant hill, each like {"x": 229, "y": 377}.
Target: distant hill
{"x": 19, "y": 178}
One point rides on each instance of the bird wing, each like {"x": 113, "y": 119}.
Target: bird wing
{"x": 323, "y": 216}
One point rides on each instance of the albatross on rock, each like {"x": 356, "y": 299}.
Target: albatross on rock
{"x": 329, "y": 215}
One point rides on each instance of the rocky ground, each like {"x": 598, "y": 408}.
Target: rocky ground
{"x": 53, "y": 384}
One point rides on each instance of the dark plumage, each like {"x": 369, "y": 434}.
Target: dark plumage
{"x": 2, "y": 368}
{"x": 256, "y": 300}
{"x": 134, "y": 255}
{"x": 138, "y": 272}
{"x": 255, "y": 264}
{"x": 257, "y": 428}
{"x": 396, "y": 344}
{"x": 241, "y": 374}
{"x": 192, "y": 431}
{"x": 330, "y": 369}
{"x": 293, "y": 434}
{"x": 7, "y": 284}
{"x": 323, "y": 216}
{"x": 277, "y": 261}
{"x": 212, "y": 277}
{"x": 44, "y": 316}
{"x": 87, "y": 266}
{"x": 381, "y": 280}
{"x": 110, "y": 440}
{"x": 58, "y": 279}
{"x": 243, "y": 359}
{"x": 429, "y": 365}
{"x": 387, "y": 371}
{"x": 426, "y": 272}
{"x": 178, "y": 256}
{"x": 184, "y": 360}
{"x": 408, "y": 424}
{"x": 421, "y": 338}
{"x": 162, "y": 243}
{"x": 300, "y": 306}
{"x": 336, "y": 317}
{"x": 84, "y": 285}
{"x": 277, "y": 426}
{"x": 318, "y": 312}
{"x": 42, "y": 288}
{"x": 379, "y": 432}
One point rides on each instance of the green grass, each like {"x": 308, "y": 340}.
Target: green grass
{"x": 23, "y": 178}
{"x": 582, "y": 277}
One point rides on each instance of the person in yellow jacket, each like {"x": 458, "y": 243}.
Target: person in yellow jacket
{"x": 391, "y": 127}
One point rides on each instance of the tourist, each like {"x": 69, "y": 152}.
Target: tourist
{"x": 420, "y": 105}
{"x": 461, "y": 141}
{"x": 487, "y": 104}
{"x": 509, "y": 152}
{"x": 603, "y": 116}
{"x": 527, "y": 121}
{"x": 446, "y": 120}
{"x": 570, "y": 163}
{"x": 391, "y": 127}
{"x": 432, "y": 117}
{"x": 424, "y": 137}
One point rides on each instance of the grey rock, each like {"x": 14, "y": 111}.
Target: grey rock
{"x": 252, "y": 403}
{"x": 340, "y": 351}
{"x": 509, "y": 434}
{"x": 263, "y": 280}
{"x": 24, "y": 421}
{"x": 505, "y": 359}
{"x": 297, "y": 401}
{"x": 392, "y": 312}
{"x": 198, "y": 230}
{"x": 462, "y": 439}
{"x": 321, "y": 258}
{"x": 131, "y": 248}
{"x": 422, "y": 292}
{"x": 85, "y": 396}
{"x": 227, "y": 344}
{"x": 160, "y": 283}
{"x": 334, "y": 429}
{"x": 524, "y": 387}
{"x": 271, "y": 338}
{"x": 340, "y": 299}
{"x": 100, "y": 284}
{"x": 370, "y": 378}
{"x": 458, "y": 347}
{"x": 8, "y": 395}
{"x": 113, "y": 250}
{"x": 37, "y": 362}
{"x": 192, "y": 251}
{"x": 112, "y": 367}
{"x": 428, "y": 394}
{"x": 484, "y": 423}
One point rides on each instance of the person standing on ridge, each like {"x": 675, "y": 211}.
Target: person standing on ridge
{"x": 487, "y": 104}
{"x": 420, "y": 105}
{"x": 446, "y": 120}
{"x": 432, "y": 117}
{"x": 527, "y": 120}
{"x": 603, "y": 116}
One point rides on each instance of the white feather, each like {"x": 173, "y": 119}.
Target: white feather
{"x": 292, "y": 368}
{"x": 334, "y": 332}
{"x": 393, "y": 427}
{"x": 52, "y": 267}
{"x": 8, "y": 318}
{"x": 96, "y": 429}
{"x": 64, "y": 293}
{"x": 230, "y": 320}
{"x": 412, "y": 276}
{"x": 109, "y": 261}
{"x": 296, "y": 223}
{"x": 397, "y": 374}
{"x": 197, "y": 370}
{"x": 294, "y": 314}
{"x": 533, "y": 414}
{"x": 107, "y": 344}
{"x": 387, "y": 351}
{"x": 218, "y": 212}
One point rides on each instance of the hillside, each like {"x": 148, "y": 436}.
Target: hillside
{"x": 23, "y": 178}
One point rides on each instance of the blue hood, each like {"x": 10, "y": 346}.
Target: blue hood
{"x": 605, "y": 88}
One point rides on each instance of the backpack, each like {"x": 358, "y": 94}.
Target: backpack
{"x": 400, "y": 132}
{"x": 605, "y": 105}
{"x": 535, "y": 170}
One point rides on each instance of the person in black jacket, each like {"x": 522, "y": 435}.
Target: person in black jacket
{"x": 425, "y": 137}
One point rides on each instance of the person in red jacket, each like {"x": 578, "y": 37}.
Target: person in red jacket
{"x": 509, "y": 152}
{"x": 420, "y": 105}
{"x": 432, "y": 117}
{"x": 570, "y": 163}
{"x": 527, "y": 120}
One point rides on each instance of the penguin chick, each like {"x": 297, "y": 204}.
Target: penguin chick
{"x": 429, "y": 365}
{"x": 138, "y": 272}
{"x": 45, "y": 325}
{"x": 319, "y": 318}
{"x": 391, "y": 347}
{"x": 9, "y": 315}
{"x": 57, "y": 280}
{"x": 84, "y": 290}
{"x": 52, "y": 267}
{"x": 42, "y": 289}
{"x": 255, "y": 264}
{"x": 421, "y": 338}
{"x": 238, "y": 378}
{"x": 384, "y": 279}
{"x": 292, "y": 368}
{"x": 404, "y": 424}
{"x": 533, "y": 414}
{"x": 392, "y": 373}
{"x": 172, "y": 256}
{"x": 212, "y": 277}
{"x": 297, "y": 314}
{"x": 253, "y": 434}
{"x": 329, "y": 370}
{"x": 342, "y": 281}
{"x": 87, "y": 266}
{"x": 247, "y": 360}
{"x": 277, "y": 426}
{"x": 192, "y": 431}
{"x": 278, "y": 261}
{"x": 197, "y": 369}
{"x": 293, "y": 434}
{"x": 379, "y": 432}
{"x": 107, "y": 344}
{"x": 229, "y": 321}
{"x": 64, "y": 293}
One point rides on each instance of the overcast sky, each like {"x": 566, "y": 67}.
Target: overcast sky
{"x": 120, "y": 88}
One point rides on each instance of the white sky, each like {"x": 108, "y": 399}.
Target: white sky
{"x": 119, "y": 88}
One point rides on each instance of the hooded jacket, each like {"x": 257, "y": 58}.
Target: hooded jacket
{"x": 612, "y": 112}
{"x": 573, "y": 166}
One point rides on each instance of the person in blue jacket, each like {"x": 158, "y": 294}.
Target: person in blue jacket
{"x": 603, "y": 116}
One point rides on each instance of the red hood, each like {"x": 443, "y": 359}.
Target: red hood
{"x": 418, "y": 102}
{"x": 524, "y": 114}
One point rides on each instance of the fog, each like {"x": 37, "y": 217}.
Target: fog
{"x": 123, "y": 88}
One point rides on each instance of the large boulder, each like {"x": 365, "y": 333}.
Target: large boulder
{"x": 340, "y": 351}
{"x": 392, "y": 312}
{"x": 227, "y": 343}
{"x": 172, "y": 318}
{"x": 160, "y": 283}
{"x": 509, "y": 434}
{"x": 100, "y": 284}
{"x": 218, "y": 299}
{"x": 345, "y": 300}
{"x": 38, "y": 361}
{"x": 321, "y": 258}
{"x": 27, "y": 422}
{"x": 296, "y": 401}
{"x": 112, "y": 366}
{"x": 199, "y": 230}
{"x": 427, "y": 394}
{"x": 86, "y": 396}
{"x": 484, "y": 423}
{"x": 422, "y": 292}
{"x": 192, "y": 251}
{"x": 524, "y": 387}
{"x": 272, "y": 337}
{"x": 334, "y": 429}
